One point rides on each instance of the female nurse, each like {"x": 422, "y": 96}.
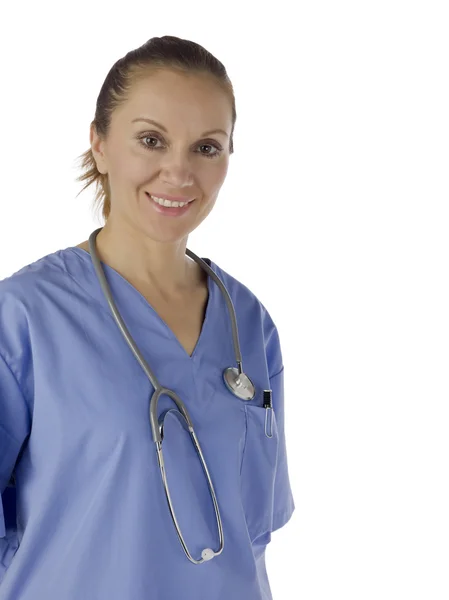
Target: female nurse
{"x": 84, "y": 513}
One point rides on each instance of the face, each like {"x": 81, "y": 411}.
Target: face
{"x": 142, "y": 158}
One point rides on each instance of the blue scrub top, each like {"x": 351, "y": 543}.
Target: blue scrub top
{"x": 83, "y": 511}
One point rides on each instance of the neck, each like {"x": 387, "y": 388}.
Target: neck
{"x": 163, "y": 267}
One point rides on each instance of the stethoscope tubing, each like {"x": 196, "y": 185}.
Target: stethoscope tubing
{"x": 239, "y": 379}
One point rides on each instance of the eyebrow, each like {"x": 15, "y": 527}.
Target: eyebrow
{"x": 164, "y": 129}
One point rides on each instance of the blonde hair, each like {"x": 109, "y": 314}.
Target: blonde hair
{"x": 158, "y": 53}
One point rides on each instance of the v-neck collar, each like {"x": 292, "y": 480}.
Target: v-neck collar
{"x": 99, "y": 295}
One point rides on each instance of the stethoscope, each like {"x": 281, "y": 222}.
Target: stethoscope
{"x": 235, "y": 379}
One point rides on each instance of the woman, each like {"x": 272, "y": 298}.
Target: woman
{"x": 93, "y": 519}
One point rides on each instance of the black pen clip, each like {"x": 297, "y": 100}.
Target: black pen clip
{"x": 268, "y": 405}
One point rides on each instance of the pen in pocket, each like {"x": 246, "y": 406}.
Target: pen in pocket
{"x": 268, "y": 406}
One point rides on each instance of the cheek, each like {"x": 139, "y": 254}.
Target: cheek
{"x": 132, "y": 165}
{"x": 128, "y": 161}
{"x": 213, "y": 177}
{"x": 208, "y": 206}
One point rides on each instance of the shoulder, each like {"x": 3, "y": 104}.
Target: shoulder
{"x": 22, "y": 296}
{"x": 23, "y": 286}
{"x": 251, "y": 309}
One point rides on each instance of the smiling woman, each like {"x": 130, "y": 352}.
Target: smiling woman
{"x": 161, "y": 141}
{"x": 80, "y": 420}
{"x": 159, "y": 55}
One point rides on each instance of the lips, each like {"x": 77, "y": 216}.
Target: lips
{"x": 185, "y": 205}
{"x": 171, "y": 198}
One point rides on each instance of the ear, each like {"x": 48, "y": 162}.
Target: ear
{"x": 97, "y": 147}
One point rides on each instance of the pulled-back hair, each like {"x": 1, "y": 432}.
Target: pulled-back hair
{"x": 157, "y": 54}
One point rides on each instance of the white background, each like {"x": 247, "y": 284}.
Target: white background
{"x": 334, "y": 213}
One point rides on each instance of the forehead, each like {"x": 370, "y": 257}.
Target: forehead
{"x": 173, "y": 98}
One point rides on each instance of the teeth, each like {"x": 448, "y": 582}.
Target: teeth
{"x": 163, "y": 202}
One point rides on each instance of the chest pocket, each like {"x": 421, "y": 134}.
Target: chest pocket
{"x": 258, "y": 469}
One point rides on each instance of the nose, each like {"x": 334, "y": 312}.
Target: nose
{"x": 176, "y": 171}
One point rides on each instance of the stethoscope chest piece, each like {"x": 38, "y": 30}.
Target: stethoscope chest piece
{"x": 239, "y": 384}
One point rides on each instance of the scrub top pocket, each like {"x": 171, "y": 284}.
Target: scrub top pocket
{"x": 258, "y": 470}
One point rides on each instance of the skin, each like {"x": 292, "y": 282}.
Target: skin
{"x": 143, "y": 245}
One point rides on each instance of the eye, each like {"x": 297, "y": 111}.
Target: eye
{"x": 147, "y": 137}
{"x": 215, "y": 154}
{"x": 142, "y": 141}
